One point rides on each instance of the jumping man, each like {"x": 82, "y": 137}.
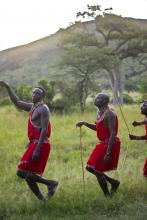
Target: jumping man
{"x": 105, "y": 155}
{"x": 34, "y": 159}
{"x": 143, "y": 109}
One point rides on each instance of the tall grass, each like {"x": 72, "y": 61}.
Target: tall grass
{"x": 71, "y": 201}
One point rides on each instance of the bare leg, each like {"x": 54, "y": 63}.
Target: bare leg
{"x": 32, "y": 180}
{"x": 39, "y": 179}
{"x": 35, "y": 189}
{"x": 101, "y": 180}
{"x": 51, "y": 184}
{"x": 103, "y": 184}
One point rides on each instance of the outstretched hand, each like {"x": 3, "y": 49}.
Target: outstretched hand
{"x": 3, "y": 83}
{"x": 135, "y": 123}
{"x": 80, "y": 124}
{"x": 132, "y": 137}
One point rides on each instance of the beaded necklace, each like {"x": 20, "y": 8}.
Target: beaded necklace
{"x": 35, "y": 106}
{"x": 102, "y": 115}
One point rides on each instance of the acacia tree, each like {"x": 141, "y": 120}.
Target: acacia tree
{"x": 81, "y": 60}
{"x": 123, "y": 37}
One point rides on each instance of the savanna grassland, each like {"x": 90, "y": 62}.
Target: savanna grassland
{"x": 71, "y": 201}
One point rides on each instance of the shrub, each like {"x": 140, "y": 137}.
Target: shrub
{"x": 128, "y": 99}
{"x": 5, "y": 101}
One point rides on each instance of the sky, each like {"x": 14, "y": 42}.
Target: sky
{"x": 24, "y": 21}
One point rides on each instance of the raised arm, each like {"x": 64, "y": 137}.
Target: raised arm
{"x": 138, "y": 138}
{"x": 17, "y": 102}
{"x": 137, "y": 123}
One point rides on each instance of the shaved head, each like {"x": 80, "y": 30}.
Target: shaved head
{"x": 38, "y": 94}
{"x": 104, "y": 96}
{"x": 101, "y": 99}
{"x": 144, "y": 108}
{"x": 41, "y": 89}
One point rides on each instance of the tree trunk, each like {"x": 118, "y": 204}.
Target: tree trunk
{"x": 81, "y": 96}
{"x": 115, "y": 92}
{"x": 114, "y": 86}
{"x": 119, "y": 84}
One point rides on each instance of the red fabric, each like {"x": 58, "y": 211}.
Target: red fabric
{"x": 34, "y": 133}
{"x": 97, "y": 156}
{"x": 103, "y": 132}
{"x": 146, "y": 132}
{"x": 26, "y": 163}
{"x": 145, "y": 164}
{"x": 145, "y": 168}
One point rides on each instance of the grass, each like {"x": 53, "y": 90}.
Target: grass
{"x": 71, "y": 202}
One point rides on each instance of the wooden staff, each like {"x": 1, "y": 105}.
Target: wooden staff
{"x": 81, "y": 151}
{"x": 123, "y": 116}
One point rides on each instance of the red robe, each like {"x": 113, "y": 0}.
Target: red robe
{"x": 145, "y": 164}
{"x": 96, "y": 159}
{"x": 26, "y": 163}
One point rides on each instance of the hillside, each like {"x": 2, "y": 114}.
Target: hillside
{"x": 31, "y": 62}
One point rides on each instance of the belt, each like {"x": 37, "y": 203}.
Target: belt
{"x": 36, "y": 141}
{"x": 106, "y": 140}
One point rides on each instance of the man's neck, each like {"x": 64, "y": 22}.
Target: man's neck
{"x": 35, "y": 105}
{"x": 38, "y": 103}
{"x": 102, "y": 109}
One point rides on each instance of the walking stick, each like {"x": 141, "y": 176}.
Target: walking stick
{"x": 81, "y": 151}
{"x": 123, "y": 116}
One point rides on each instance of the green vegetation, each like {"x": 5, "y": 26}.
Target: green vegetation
{"x": 108, "y": 52}
{"x": 143, "y": 87}
{"x": 71, "y": 202}
{"x": 105, "y": 54}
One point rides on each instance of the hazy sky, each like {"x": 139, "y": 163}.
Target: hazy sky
{"x": 23, "y": 21}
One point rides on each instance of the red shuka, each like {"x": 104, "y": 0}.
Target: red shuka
{"x": 26, "y": 163}
{"x": 145, "y": 164}
{"x": 96, "y": 159}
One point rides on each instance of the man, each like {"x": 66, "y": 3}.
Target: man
{"x": 34, "y": 159}
{"x": 105, "y": 155}
{"x": 143, "y": 109}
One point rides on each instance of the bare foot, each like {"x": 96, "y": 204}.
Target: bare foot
{"x": 108, "y": 195}
{"x": 40, "y": 197}
{"x": 115, "y": 186}
{"x": 52, "y": 188}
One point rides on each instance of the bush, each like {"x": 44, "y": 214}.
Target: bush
{"x": 24, "y": 92}
{"x": 128, "y": 99}
{"x": 143, "y": 86}
{"x": 5, "y": 101}
{"x": 144, "y": 97}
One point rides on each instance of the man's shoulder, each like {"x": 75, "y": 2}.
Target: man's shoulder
{"x": 44, "y": 108}
{"x": 110, "y": 113}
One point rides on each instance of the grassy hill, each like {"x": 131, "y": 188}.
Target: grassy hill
{"x": 29, "y": 63}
